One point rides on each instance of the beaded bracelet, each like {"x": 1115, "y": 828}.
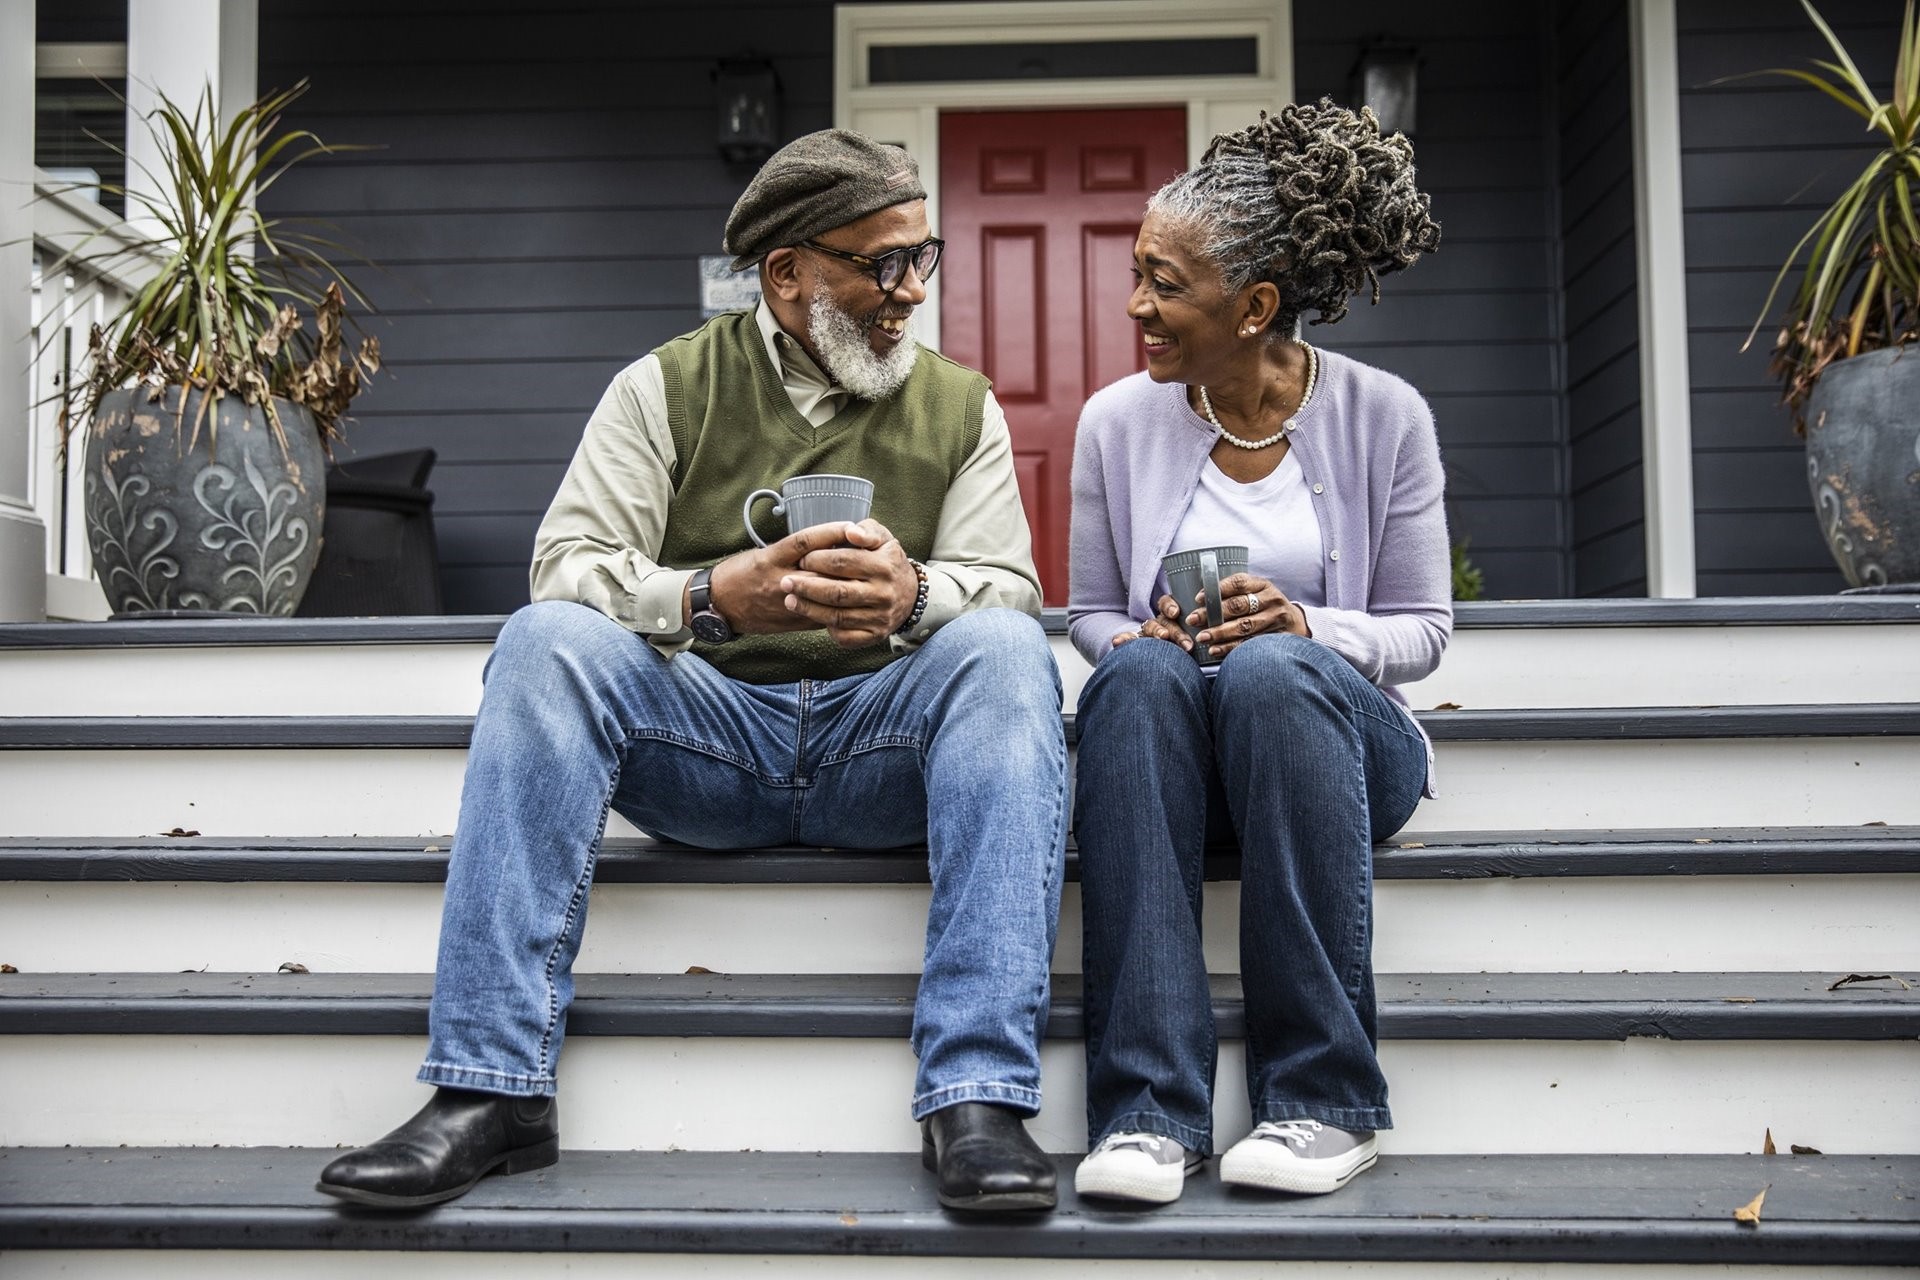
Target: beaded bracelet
{"x": 919, "y": 599}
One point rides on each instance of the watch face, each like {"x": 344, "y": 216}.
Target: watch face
{"x": 711, "y": 627}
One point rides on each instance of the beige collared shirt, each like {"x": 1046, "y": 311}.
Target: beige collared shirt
{"x": 597, "y": 542}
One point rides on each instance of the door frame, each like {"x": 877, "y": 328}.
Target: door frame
{"x": 909, "y": 114}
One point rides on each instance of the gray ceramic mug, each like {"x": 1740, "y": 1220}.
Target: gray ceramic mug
{"x": 810, "y": 500}
{"x": 1201, "y": 569}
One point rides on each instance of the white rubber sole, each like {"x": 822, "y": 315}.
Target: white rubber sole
{"x": 1269, "y": 1166}
{"x": 1129, "y": 1175}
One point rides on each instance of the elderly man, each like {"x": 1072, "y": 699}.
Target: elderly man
{"x": 862, "y": 685}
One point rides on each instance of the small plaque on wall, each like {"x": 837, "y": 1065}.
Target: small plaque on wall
{"x": 724, "y": 290}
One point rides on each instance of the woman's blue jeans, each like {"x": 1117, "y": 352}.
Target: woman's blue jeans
{"x": 1311, "y": 764}
{"x": 581, "y": 715}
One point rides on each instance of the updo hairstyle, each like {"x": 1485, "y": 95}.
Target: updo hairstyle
{"x": 1311, "y": 199}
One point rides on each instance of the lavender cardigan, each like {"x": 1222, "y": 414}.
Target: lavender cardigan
{"x": 1367, "y": 449}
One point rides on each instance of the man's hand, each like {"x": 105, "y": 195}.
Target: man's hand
{"x": 860, "y": 589}
{"x": 749, "y": 589}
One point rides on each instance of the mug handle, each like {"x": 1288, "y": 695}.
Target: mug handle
{"x": 746, "y": 512}
{"x": 1210, "y": 579}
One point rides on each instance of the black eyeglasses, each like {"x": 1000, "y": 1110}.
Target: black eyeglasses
{"x": 889, "y": 270}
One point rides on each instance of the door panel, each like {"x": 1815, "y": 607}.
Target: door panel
{"x": 1039, "y": 210}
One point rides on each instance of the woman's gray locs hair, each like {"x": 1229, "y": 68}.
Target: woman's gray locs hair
{"x": 1312, "y": 199}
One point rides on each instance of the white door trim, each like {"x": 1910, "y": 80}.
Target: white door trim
{"x": 1666, "y": 425}
{"x": 910, "y": 114}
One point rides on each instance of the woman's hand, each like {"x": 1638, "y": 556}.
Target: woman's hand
{"x": 1253, "y": 605}
{"x": 1164, "y": 625}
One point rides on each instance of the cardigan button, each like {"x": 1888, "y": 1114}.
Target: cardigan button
{"x": 1335, "y": 555}
{"x": 1318, "y": 488}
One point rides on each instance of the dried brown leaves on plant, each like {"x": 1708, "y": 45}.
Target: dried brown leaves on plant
{"x": 221, "y": 312}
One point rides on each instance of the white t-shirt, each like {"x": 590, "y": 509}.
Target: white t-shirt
{"x": 1272, "y": 518}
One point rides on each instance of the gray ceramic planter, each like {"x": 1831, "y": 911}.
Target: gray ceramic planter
{"x": 230, "y": 525}
{"x": 1863, "y": 464}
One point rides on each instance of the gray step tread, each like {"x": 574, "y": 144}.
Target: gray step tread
{"x": 1509, "y": 1209}
{"x": 1421, "y": 1006}
{"x": 1728, "y": 611}
{"x": 1824, "y": 720}
{"x": 1410, "y": 855}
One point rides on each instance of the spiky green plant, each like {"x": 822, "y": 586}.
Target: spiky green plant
{"x": 1860, "y": 288}
{"x": 1469, "y": 583}
{"x": 223, "y": 311}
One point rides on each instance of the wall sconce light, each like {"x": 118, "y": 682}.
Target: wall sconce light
{"x": 1386, "y": 78}
{"x": 748, "y": 93}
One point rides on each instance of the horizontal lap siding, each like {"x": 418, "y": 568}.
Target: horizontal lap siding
{"x": 1594, "y": 120}
{"x": 1475, "y": 326}
{"x": 544, "y": 183}
{"x": 1759, "y": 160}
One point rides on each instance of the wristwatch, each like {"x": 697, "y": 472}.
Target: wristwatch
{"x": 707, "y": 625}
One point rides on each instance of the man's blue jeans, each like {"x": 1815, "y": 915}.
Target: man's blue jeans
{"x": 1310, "y": 764}
{"x": 581, "y": 715}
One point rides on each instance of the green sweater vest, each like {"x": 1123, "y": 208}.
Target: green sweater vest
{"x": 735, "y": 430}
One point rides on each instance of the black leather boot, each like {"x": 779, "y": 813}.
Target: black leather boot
{"x": 457, "y": 1139}
{"x": 985, "y": 1161}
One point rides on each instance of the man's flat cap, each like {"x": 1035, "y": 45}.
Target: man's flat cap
{"x": 814, "y": 184}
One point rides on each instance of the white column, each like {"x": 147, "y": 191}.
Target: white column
{"x": 180, "y": 48}
{"x": 23, "y": 539}
{"x": 1666, "y": 428}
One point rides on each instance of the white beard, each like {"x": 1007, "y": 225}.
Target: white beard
{"x": 844, "y": 350}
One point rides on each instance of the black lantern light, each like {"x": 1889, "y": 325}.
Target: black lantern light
{"x": 1386, "y": 78}
{"x": 748, "y": 93}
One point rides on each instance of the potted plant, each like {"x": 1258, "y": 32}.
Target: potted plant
{"x": 209, "y": 408}
{"x": 1846, "y": 352}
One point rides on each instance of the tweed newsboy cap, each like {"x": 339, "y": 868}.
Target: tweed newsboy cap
{"x": 814, "y": 184}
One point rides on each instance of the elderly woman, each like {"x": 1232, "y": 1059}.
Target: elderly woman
{"x": 1296, "y": 742}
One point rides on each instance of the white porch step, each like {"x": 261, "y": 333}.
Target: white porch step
{"x": 1476, "y": 1063}
{"x": 1556, "y": 767}
{"x": 1510, "y": 654}
{"x": 1844, "y": 923}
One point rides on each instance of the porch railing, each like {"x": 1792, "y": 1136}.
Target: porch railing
{"x": 66, "y": 304}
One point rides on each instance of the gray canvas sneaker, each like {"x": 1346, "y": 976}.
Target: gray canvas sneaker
{"x": 1136, "y": 1166}
{"x": 1302, "y": 1156}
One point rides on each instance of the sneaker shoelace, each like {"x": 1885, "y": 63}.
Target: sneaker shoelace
{"x": 1298, "y": 1134}
{"x": 1147, "y": 1142}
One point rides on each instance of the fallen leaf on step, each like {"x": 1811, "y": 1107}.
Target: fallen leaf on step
{"x": 1739, "y": 999}
{"x": 700, "y": 968}
{"x": 1767, "y": 1148}
{"x": 1702, "y": 840}
{"x": 1799, "y": 1150}
{"x": 293, "y": 966}
{"x": 1852, "y": 978}
{"x": 1749, "y": 1213}
{"x": 1413, "y": 844}
{"x": 1873, "y": 824}
{"x": 849, "y": 1220}
{"x": 7, "y": 968}
{"x": 1447, "y": 706}
{"x": 432, "y": 848}
{"x": 180, "y": 833}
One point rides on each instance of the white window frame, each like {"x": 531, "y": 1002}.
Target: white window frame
{"x": 909, "y": 114}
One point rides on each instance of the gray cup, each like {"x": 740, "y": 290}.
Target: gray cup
{"x": 810, "y": 500}
{"x": 1191, "y": 572}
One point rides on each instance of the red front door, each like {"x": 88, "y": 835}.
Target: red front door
{"x": 1039, "y": 210}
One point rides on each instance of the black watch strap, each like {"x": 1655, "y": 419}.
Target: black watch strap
{"x": 704, "y": 621}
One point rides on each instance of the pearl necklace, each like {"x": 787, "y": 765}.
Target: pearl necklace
{"x": 1313, "y": 376}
